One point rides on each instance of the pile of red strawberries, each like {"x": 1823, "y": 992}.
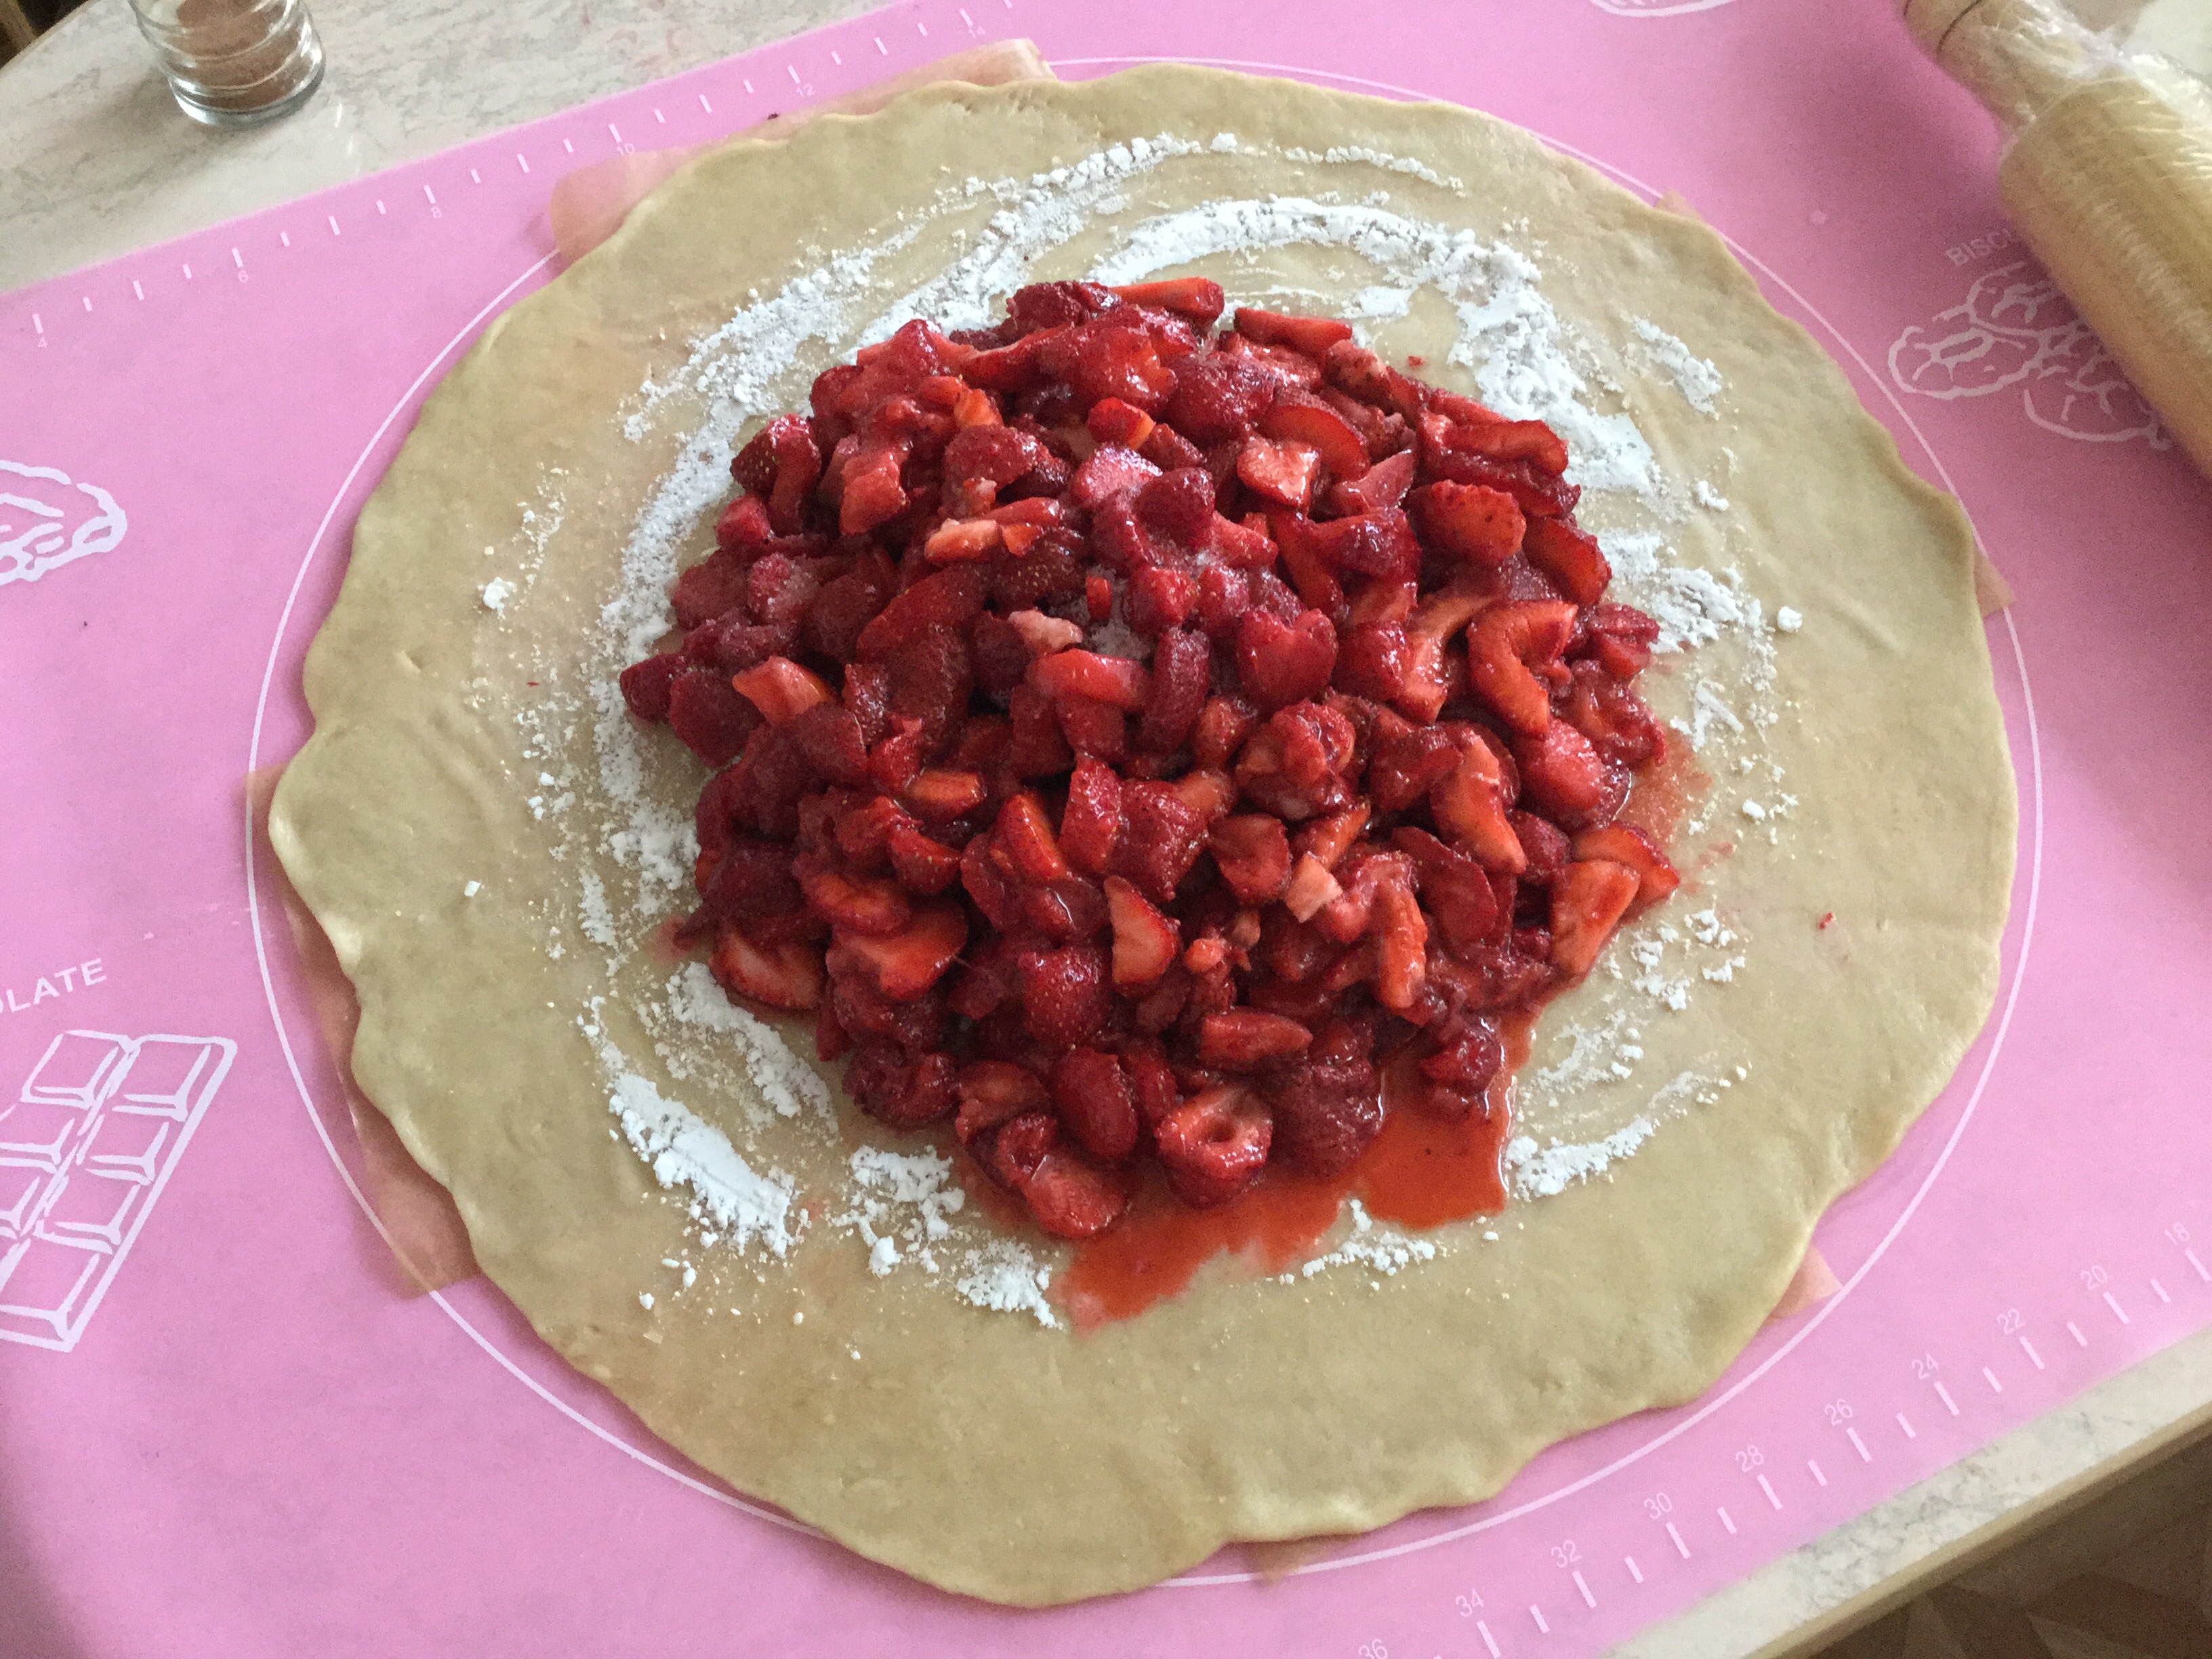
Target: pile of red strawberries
{"x": 1136, "y": 741}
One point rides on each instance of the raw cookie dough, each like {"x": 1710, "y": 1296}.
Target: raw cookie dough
{"x": 986, "y": 1451}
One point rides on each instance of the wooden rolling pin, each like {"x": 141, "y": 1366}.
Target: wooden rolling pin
{"x": 2108, "y": 179}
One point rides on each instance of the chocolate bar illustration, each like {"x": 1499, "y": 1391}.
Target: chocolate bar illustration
{"x": 85, "y": 1150}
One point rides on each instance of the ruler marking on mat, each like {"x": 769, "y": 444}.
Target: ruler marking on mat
{"x": 429, "y": 195}
{"x": 285, "y": 237}
{"x": 37, "y": 324}
{"x": 1634, "y": 1572}
{"x": 333, "y": 219}
{"x": 1767, "y": 1486}
{"x": 2035, "y": 1358}
{"x": 792, "y": 70}
{"x": 923, "y": 26}
{"x": 2081, "y": 1339}
{"x": 1583, "y": 1584}
{"x": 659, "y": 117}
{"x": 522, "y": 160}
{"x": 187, "y": 270}
{"x": 1813, "y": 1464}
{"x": 135, "y": 289}
{"x": 885, "y": 50}
{"x": 1859, "y": 1446}
{"x": 704, "y": 105}
{"x": 2194, "y": 1263}
{"x": 87, "y": 298}
{"x": 1488, "y": 1640}
{"x": 475, "y": 178}
{"x": 2118, "y": 1312}
{"x": 1681, "y": 1548}
{"x": 1537, "y": 1613}
{"x": 1906, "y": 1426}
{"x": 614, "y": 132}
{"x": 1729, "y": 1522}
{"x": 1990, "y": 1377}
{"x": 380, "y": 208}
{"x": 569, "y": 145}
{"x": 2161, "y": 1289}
{"x": 837, "y": 58}
{"x": 1949, "y": 1404}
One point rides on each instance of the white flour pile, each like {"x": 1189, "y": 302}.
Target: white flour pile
{"x": 905, "y": 1210}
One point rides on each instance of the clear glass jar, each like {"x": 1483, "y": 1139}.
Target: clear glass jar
{"x": 234, "y": 63}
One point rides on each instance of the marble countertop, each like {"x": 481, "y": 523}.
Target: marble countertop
{"x": 100, "y": 162}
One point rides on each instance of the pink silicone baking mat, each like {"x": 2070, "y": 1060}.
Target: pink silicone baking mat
{"x": 246, "y": 1440}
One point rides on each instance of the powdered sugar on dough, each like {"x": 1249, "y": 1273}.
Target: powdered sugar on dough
{"x": 1526, "y": 361}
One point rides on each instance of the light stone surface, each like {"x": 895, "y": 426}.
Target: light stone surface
{"x": 95, "y": 160}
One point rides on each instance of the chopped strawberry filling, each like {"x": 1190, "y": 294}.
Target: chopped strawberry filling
{"x": 1141, "y": 746}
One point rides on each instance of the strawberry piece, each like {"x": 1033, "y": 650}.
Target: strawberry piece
{"x": 1090, "y": 823}
{"x": 1037, "y": 748}
{"x": 906, "y": 964}
{"x": 906, "y": 1095}
{"x": 1112, "y": 421}
{"x": 1503, "y": 644}
{"x": 993, "y": 1092}
{"x": 1569, "y": 781}
{"x": 1246, "y": 545}
{"x": 1109, "y": 474}
{"x": 1182, "y": 663}
{"x": 1162, "y": 837}
{"x": 1372, "y": 661}
{"x": 1327, "y": 1112}
{"x": 1624, "y": 844}
{"x": 1160, "y": 598}
{"x": 1069, "y": 1197}
{"x": 743, "y": 527}
{"x": 1383, "y": 484}
{"x": 1198, "y": 298}
{"x": 1312, "y": 336}
{"x": 1618, "y": 639}
{"x": 869, "y": 493}
{"x": 940, "y": 796}
{"x": 1012, "y": 1153}
{"x": 1455, "y": 892}
{"x": 1027, "y": 834}
{"x": 1214, "y": 1144}
{"x": 1484, "y": 527}
{"x": 1243, "y": 1038}
{"x": 1570, "y": 556}
{"x": 1469, "y": 806}
{"x": 1299, "y": 419}
{"x": 1224, "y": 724}
{"x": 1097, "y": 1103}
{"x": 1092, "y": 727}
{"x": 1401, "y": 940}
{"x": 1588, "y": 902}
{"x": 856, "y": 905}
{"x": 1434, "y": 621}
{"x": 1545, "y": 845}
{"x": 781, "y": 690}
{"x": 1465, "y": 1055}
{"x": 1252, "y": 854}
{"x": 1065, "y": 996}
{"x": 1282, "y": 663}
{"x": 1098, "y": 598}
{"x": 1311, "y": 888}
{"x": 921, "y": 864}
{"x": 713, "y": 587}
{"x": 1613, "y": 718}
{"x": 1217, "y": 398}
{"x": 1283, "y": 472}
{"x": 784, "y": 976}
{"x": 1120, "y": 682}
{"x": 947, "y": 598}
{"x": 1145, "y": 941}
{"x": 1361, "y": 374}
{"x": 959, "y": 540}
{"x": 1109, "y": 357}
{"x": 646, "y": 686}
{"x": 705, "y": 711}
{"x": 783, "y": 463}
{"x": 1041, "y": 635}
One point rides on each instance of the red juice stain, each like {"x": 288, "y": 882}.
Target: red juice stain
{"x": 1421, "y": 1171}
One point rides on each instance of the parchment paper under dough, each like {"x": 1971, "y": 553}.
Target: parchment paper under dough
{"x": 981, "y": 1451}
